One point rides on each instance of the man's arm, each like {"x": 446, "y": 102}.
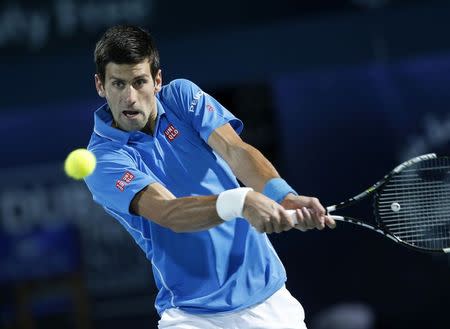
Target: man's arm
{"x": 187, "y": 214}
{"x": 190, "y": 214}
{"x": 247, "y": 163}
{"x": 254, "y": 170}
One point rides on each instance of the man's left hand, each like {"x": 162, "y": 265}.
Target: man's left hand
{"x": 310, "y": 213}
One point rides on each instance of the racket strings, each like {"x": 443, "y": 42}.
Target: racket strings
{"x": 402, "y": 227}
{"x": 409, "y": 231}
{"x": 390, "y": 216}
{"x": 414, "y": 204}
{"x": 418, "y": 198}
{"x": 423, "y": 188}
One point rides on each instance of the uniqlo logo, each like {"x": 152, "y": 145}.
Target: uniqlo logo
{"x": 171, "y": 132}
{"x": 124, "y": 181}
{"x": 210, "y": 108}
{"x": 120, "y": 184}
{"x": 128, "y": 177}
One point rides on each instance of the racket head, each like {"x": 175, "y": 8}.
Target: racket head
{"x": 413, "y": 204}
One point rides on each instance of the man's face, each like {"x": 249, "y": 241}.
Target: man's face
{"x": 130, "y": 92}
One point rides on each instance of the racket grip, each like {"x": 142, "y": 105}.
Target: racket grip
{"x": 291, "y": 213}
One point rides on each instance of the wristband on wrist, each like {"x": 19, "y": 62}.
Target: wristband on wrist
{"x": 277, "y": 189}
{"x": 230, "y": 203}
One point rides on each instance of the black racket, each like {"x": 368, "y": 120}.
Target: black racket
{"x": 411, "y": 204}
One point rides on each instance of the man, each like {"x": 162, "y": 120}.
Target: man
{"x": 167, "y": 162}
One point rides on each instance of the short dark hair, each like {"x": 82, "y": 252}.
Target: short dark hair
{"x": 125, "y": 44}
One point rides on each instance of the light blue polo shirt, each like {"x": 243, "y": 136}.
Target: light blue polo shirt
{"x": 225, "y": 268}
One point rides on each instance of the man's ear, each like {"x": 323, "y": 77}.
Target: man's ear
{"x": 158, "y": 81}
{"x": 99, "y": 86}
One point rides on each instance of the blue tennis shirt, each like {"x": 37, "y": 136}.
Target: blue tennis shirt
{"x": 228, "y": 267}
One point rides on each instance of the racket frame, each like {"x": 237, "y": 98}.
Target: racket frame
{"x": 379, "y": 227}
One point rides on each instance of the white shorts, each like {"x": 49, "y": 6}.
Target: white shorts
{"x": 279, "y": 311}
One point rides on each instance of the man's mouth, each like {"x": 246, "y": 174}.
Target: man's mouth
{"x": 130, "y": 114}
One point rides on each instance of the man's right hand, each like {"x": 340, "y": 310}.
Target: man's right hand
{"x": 265, "y": 215}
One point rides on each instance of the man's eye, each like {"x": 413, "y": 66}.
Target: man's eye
{"x": 140, "y": 82}
{"x": 118, "y": 84}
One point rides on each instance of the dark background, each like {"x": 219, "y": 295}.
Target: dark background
{"x": 335, "y": 94}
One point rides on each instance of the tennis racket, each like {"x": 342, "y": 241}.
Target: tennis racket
{"x": 411, "y": 204}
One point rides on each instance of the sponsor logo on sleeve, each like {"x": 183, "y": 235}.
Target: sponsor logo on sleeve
{"x": 128, "y": 177}
{"x": 194, "y": 102}
{"x": 124, "y": 181}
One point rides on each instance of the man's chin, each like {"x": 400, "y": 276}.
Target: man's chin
{"x": 131, "y": 128}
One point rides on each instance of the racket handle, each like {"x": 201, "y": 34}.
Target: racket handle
{"x": 291, "y": 213}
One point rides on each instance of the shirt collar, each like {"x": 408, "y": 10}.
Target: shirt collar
{"x": 103, "y": 125}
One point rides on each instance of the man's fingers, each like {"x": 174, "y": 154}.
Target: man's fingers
{"x": 288, "y": 220}
{"x": 330, "y": 222}
{"x": 277, "y": 227}
{"x": 276, "y": 222}
{"x": 317, "y": 219}
{"x": 307, "y": 218}
{"x": 313, "y": 219}
{"x": 315, "y": 205}
{"x": 284, "y": 222}
{"x": 259, "y": 227}
{"x": 268, "y": 227}
{"x": 299, "y": 221}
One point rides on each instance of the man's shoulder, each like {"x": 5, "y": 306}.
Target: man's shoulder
{"x": 180, "y": 83}
{"x": 178, "y": 88}
{"x": 101, "y": 145}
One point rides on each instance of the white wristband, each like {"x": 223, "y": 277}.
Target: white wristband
{"x": 230, "y": 203}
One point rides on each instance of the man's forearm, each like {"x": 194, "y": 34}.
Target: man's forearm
{"x": 251, "y": 167}
{"x": 186, "y": 214}
{"x": 248, "y": 164}
{"x": 191, "y": 214}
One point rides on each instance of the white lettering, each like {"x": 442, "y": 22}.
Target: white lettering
{"x": 195, "y": 100}
{"x": 34, "y": 28}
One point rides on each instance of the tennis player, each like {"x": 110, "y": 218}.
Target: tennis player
{"x": 168, "y": 160}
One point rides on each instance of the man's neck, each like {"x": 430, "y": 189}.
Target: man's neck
{"x": 150, "y": 126}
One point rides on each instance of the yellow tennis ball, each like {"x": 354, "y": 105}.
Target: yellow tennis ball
{"x": 79, "y": 163}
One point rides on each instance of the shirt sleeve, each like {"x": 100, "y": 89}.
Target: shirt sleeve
{"x": 116, "y": 180}
{"x": 200, "y": 109}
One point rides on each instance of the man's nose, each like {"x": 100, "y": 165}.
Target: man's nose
{"x": 130, "y": 95}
